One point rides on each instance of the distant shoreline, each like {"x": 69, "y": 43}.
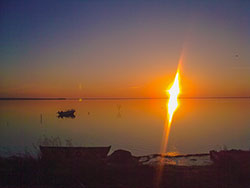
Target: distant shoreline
{"x": 116, "y": 98}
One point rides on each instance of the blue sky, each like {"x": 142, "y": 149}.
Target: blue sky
{"x": 123, "y": 48}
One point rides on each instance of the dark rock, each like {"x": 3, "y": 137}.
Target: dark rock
{"x": 122, "y": 157}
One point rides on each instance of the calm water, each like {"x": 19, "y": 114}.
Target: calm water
{"x": 134, "y": 125}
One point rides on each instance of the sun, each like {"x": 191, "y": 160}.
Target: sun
{"x": 173, "y": 92}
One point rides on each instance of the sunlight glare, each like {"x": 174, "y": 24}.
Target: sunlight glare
{"x": 173, "y": 92}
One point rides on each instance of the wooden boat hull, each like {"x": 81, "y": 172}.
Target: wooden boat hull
{"x": 74, "y": 153}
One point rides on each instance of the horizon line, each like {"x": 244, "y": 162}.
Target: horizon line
{"x": 119, "y": 98}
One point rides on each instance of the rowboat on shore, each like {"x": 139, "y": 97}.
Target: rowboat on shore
{"x": 74, "y": 153}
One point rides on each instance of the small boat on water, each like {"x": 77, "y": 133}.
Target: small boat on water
{"x": 68, "y": 113}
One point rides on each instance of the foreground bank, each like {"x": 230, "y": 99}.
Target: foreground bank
{"x": 92, "y": 167}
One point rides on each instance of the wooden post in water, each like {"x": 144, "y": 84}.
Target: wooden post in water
{"x": 41, "y": 118}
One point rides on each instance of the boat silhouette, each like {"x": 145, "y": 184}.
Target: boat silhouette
{"x": 66, "y": 114}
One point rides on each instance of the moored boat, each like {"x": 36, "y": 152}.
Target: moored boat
{"x": 68, "y": 113}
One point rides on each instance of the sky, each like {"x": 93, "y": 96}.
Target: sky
{"x": 124, "y": 48}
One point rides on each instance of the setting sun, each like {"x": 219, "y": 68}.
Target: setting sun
{"x": 173, "y": 92}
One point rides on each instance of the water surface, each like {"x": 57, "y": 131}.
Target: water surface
{"x": 135, "y": 125}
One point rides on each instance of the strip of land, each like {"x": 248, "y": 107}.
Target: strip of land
{"x": 120, "y": 98}
{"x": 81, "y": 167}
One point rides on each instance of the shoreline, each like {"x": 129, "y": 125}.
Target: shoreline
{"x": 118, "y": 98}
{"x": 120, "y": 169}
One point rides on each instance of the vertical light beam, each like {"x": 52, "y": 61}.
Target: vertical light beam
{"x": 171, "y": 107}
{"x": 174, "y": 91}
